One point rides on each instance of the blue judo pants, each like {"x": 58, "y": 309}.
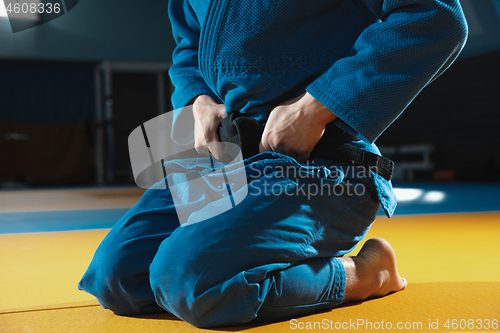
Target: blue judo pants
{"x": 271, "y": 257}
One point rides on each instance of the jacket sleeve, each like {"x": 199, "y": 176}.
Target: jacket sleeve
{"x": 393, "y": 59}
{"x": 184, "y": 72}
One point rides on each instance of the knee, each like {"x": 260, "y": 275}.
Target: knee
{"x": 176, "y": 292}
{"x": 203, "y": 299}
{"x": 118, "y": 284}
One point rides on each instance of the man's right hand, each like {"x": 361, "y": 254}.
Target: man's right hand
{"x": 207, "y": 118}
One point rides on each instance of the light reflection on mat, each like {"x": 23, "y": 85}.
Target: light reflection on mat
{"x": 429, "y": 198}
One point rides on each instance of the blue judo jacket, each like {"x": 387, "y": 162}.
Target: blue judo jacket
{"x": 365, "y": 60}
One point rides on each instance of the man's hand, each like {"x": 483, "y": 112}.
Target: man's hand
{"x": 207, "y": 118}
{"x": 295, "y": 127}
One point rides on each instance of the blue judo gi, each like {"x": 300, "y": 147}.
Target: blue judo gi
{"x": 273, "y": 256}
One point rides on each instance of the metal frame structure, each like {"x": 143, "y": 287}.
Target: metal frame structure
{"x": 104, "y": 152}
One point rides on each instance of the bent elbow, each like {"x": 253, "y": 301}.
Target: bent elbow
{"x": 461, "y": 31}
{"x": 457, "y": 30}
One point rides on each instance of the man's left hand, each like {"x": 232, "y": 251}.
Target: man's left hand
{"x": 295, "y": 127}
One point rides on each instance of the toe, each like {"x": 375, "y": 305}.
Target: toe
{"x": 405, "y": 283}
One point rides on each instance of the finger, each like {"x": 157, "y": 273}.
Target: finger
{"x": 211, "y": 135}
{"x": 263, "y": 146}
{"x": 201, "y": 145}
{"x": 218, "y": 148}
{"x": 280, "y": 151}
{"x": 223, "y": 113}
{"x": 219, "y": 152}
{"x": 202, "y": 150}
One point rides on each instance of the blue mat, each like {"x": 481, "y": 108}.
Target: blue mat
{"x": 49, "y": 221}
{"x": 414, "y": 199}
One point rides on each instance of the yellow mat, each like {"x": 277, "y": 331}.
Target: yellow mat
{"x": 452, "y": 264}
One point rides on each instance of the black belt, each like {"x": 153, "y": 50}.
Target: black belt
{"x": 246, "y": 132}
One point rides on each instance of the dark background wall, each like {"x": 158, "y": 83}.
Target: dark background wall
{"x": 95, "y": 30}
{"x": 47, "y": 94}
{"x": 458, "y": 114}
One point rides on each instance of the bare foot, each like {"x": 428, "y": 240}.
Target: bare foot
{"x": 372, "y": 273}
